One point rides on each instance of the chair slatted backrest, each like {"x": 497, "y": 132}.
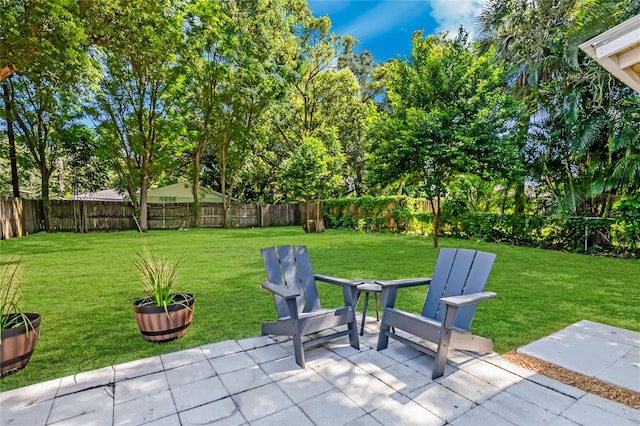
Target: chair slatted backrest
{"x": 457, "y": 272}
{"x": 290, "y": 266}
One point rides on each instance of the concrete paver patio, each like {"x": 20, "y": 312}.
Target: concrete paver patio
{"x": 609, "y": 354}
{"x": 256, "y": 382}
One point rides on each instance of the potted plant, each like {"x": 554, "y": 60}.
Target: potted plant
{"x": 163, "y": 314}
{"x": 19, "y": 330}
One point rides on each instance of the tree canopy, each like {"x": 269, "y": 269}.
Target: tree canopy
{"x": 264, "y": 102}
{"x": 448, "y": 115}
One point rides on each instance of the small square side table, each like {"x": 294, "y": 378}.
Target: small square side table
{"x": 367, "y": 287}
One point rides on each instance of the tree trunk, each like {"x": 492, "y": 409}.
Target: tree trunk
{"x": 307, "y": 207}
{"x": 518, "y": 208}
{"x": 12, "y": 141}
{"x": 46, "y": 202}
{"x": 195, "y": 208}
{"x": 318, "y": 215}
{"x": 436, "y": 220}
{"x": 144, "y": 186}
{"x": 223, "y": 182}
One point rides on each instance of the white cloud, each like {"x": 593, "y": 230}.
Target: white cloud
{"x": 382, "y": 18}
{"x": 450, "y": 14}
{"x": 392, "y": 14}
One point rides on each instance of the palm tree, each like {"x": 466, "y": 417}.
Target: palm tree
{"x": 524, "y": 35}
{"x": 587, "y": 151}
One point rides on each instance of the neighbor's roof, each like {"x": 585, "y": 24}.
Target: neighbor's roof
{"x": 104, "y": 195}
{"x": 618, "y": 51}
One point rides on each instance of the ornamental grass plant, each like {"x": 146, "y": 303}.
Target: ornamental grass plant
{"x": 11, "y": 315}
{"x": 157, "y": 275}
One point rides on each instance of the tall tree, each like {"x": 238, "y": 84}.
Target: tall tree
{"x": 320, "y": 102}
{"x": 139, "y": 41}
{"x": 352, "y": 130}
{"x": 310, "y": 172}
{"x": 43, "y": 62}
{"x": 528, "y": 36}
{"x": 448, "y": 115}
{"x": 240, "y": 56}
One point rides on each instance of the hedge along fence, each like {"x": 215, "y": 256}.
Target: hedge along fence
{"x": 375, "y": 213}
{"x": 618, "y": 236}
{"x": 576, "y": 234}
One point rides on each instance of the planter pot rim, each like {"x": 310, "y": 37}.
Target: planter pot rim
{"x": 34, "y": 319}
{"x": 183, "y": 300}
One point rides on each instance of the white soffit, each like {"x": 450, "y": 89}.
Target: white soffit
{"x": 618, "y": 51}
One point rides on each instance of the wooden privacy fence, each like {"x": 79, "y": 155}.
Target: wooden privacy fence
{"x": 279, "y": 215}
{"x": 88, "y": 216}
{"x": 21, "y": 217}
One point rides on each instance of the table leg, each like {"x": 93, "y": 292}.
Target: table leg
{"x": 364, "y": 312}
{"x": 375, "y": 299}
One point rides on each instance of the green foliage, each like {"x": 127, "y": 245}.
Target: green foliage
{"x": 580, "y": 125}
{"x": 626, "y": 229}
{"x": 313, "y": 169}
{"x": 43, "y": 39}
{"x": 449, "y": 114}
{"x": 236, "y": 62}
{"x": 374, "y": 213}
{"x": 10, "y": 296}
{"x": 513, "y": 229}
{"x": 240, "y": 95}
{"x": 44, "y": 49}
{"x": 319, "y": 102}
{"x": 136, "y": 104}
{"x": 448, "y": 108}
{"x": 618, "y": 237}
{"x": 85, "y": 168}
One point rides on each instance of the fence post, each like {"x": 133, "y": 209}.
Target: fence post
{"x": 85, "y": 217}
{"x": 586, "y": 237}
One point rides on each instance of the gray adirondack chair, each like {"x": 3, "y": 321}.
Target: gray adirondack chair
{"x": 293, "y": 285}
{"x": 454, "y": 292}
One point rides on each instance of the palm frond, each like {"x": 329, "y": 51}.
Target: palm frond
{"x": 590, "y": 134}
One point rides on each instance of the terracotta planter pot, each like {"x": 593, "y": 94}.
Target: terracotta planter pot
{"x": 154, "y": 323}
{"x": 18, "y": 345}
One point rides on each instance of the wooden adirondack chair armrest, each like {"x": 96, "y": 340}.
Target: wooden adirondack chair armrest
{"x": 279, "y": 290}
{"x": 468, "y": 299}
{"x": 407, "y": 282}
{"x": 337, "y": 281}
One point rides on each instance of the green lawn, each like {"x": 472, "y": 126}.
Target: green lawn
{"x": 84, "y": 286}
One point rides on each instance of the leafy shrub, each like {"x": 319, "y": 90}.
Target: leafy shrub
{"x": 372, "y": 213}
{"x": 619, "y": 235}
{"x": 626, "y": 230}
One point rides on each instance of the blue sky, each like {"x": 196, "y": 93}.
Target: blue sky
{"x": 384, "y": 27}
